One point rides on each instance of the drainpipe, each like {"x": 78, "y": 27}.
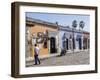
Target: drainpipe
{"x": 82, "y": 40}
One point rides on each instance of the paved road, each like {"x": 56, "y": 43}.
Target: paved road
{"x": 68, "y": 59}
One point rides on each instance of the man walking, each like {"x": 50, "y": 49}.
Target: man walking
{"x": 36, "y": 53}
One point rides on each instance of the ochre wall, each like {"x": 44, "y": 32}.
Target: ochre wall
{"x": 35, "y": 29}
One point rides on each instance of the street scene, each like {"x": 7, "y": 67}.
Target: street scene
{"x": 57, "y": 39}
{"x": 76, "y": 58}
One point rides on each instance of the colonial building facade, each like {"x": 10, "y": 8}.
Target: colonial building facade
{"x": 44, "y": 34}
{"x": 51, "y": 38}
{"x": 73, "y": 40}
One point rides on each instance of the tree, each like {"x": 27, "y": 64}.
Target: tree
{"x": 74, "y": 25}
{"x": 81, "y": 24}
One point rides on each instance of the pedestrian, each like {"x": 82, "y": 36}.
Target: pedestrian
{"x": 63, "y": 52}
{"x": 36, "y": 53}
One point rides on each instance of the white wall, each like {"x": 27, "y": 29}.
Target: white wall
{"x": 5, "y": 40}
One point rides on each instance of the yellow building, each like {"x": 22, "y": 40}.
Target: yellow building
{"x": 42, "y": 33}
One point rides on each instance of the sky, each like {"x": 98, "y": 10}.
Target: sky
{"x": 62, "y": 19}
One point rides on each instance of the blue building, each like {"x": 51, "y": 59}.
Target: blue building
{"x": 72, "y": 39}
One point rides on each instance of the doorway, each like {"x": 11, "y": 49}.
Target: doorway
{"x": 65, "y": 44}
{"x": 80, "y": 44}
{"x": 53, "y": 45}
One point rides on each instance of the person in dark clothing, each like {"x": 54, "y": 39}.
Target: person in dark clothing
{"x": 63, "y": 52}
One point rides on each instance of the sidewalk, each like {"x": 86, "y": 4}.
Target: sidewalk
{"x": 49, "y": 55}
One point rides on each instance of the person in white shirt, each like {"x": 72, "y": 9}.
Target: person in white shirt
{"x": 36, "y": 53}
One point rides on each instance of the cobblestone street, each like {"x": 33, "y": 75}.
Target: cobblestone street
{"x": 76, "y": 58}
